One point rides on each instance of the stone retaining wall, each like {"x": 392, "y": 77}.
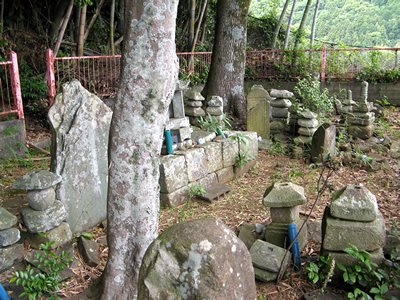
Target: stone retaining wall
{"x": 204, "y": 164}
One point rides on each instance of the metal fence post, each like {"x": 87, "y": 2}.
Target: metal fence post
{"x": 16, "y": 85}
{"x": 323, "y": 63}
{"x": 51, "y": 83}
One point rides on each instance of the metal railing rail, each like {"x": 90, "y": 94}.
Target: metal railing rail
{"x": 10, "y": 88}
{"x": 100, "y": 74}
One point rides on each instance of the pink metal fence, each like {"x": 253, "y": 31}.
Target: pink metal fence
{"x": 10, "y": 88}
{"x": 100, "y": 74}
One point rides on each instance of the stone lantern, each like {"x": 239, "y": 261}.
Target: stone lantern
{"x": 353, "y": 217}
{"x": 284, "y": 200}
{"x": 44, "y": 213}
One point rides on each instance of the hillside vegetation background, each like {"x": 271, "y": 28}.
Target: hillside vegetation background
{"x": 355, "y": 23}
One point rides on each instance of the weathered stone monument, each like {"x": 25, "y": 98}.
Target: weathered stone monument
{"x": 80, "y": 124}
{"x": 280, "y": 115}
{"x": 307, "y": 125}
{"x": 198, "y": 259}
{"x": 258, "y": 111}
{"x": 284, "y": 200}
{"x": 362, "y": 118}
{"x": 353, "y": 217}
{"x": 323, "y": 142}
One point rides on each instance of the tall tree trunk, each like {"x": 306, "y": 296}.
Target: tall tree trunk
{"x": 289, "y": 25}
{"x": 112, "y": 27}
{"x": 204, "y": 25}
{"x": 279, "y": 24}
{"x": 228, "y": 61}
{"x": 79, "y": 49}
{"x": 192, "y": 13}
{"x": 63, "y": 27}
{"x": 314, "y": 23}
{"x": 148, "y": 77}
{"x": 302, "y": 24}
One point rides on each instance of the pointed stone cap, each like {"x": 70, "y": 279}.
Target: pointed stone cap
{"x": 37, "y": 180}
{"x": 285, "y": 194}
{"x": 355, "y": 203}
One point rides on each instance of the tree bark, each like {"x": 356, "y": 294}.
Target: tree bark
{"x": 289, "y": 25}
{"x": 192, "y": 13}
{"x": 148, "y": 77}
{"x": 79, "y": 49}
{"x": 302, "y": 23}
{"x": 314, "y": 23}
{"x": 228, "y": 61}
{"x": 58, "y": 14}
{"x": 279, "y": 24}
{"x": 112, "y": 27}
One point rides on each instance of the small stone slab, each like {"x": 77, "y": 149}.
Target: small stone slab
{"x": 7, "y": 219}
{"x": 214, "y": 191}
{"x": 11, "y": 255}
{"x": 60, "y": 235}
{"x": 267, "y": 256}
{"x": 9, "y": 237}
{"x": 37, "y": 180}
{"x": 89, "y": 251}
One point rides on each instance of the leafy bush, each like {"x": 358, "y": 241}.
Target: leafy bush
{"x": 312, "y": 98}
{"x": 33, "y": 88}
{"x": 47, "y": 281}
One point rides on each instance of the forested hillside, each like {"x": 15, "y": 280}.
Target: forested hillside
{"x": 363, "y": 23}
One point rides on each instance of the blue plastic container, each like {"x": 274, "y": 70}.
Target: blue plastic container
{"x": 168, "y": 141}
{"x": 3, "y": 293}
{"x": 295, "y": 247}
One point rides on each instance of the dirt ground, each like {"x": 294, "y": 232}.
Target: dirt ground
{"x": 244, "y": 202}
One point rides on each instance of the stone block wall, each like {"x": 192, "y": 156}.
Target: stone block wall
{"x": 204, "y": 164}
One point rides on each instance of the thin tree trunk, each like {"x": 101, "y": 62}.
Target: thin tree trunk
{"x": 198, "y": 25}
{"x": 302, "y": 24}
{"x": 204, "y": 25}
{"x": 289, "y": 25}
{"x": 148, "y": 78}
{"x": 314, "y": 23}
{"x": 192, "y": 13}
{"x": 58, "y": 18}
{"x": 112, "y": 27}
{"x": 91, "y": 23}
{"x": 279, "y": 24}
{"x": 63, "y": 27}
{"x": 81, "y": 31}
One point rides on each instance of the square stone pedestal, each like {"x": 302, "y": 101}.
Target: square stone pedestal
{"x": 278, "y": 234}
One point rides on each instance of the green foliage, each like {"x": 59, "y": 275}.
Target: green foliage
{"x": 12, "y": 131}
{"x": 244, "y": 156}
{"x": 312, "y": 98}
{"x": 33, "y": 88}
{"x": 212, "y": 124}
{"x": 321, "y": 272}
{"x": 277, "y": 148}
{"x": 367, "y": 277}
{"x": 365, "y": 23}
{"x": 47, "y": 280}
{"x": 195, "y": 190}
